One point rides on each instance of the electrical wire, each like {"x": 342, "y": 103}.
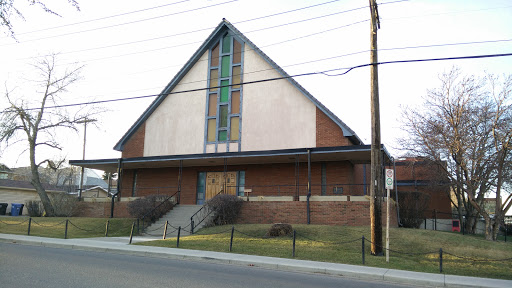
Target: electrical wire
{"x": 273, "y": 79}
{"x": 125, "y": 23}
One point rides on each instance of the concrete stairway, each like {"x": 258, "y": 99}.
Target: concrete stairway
{"x": 178, "y": 216}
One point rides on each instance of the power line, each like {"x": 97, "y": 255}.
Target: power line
{"x": 209, "y": 28}
{"x": 102, "y": 18}
{"x": 275, "y": 79}
{"x": 412, "y": 61}
{"x": 126, "y": 23}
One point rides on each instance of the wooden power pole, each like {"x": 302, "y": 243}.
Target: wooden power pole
{"x": 376, "y": 156}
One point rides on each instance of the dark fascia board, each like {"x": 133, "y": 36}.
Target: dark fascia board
{"x": 282, "y": 152}
{"x": 220, "y": 29}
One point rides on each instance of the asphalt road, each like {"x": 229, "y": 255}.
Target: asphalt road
{"x": 34, "y": 266}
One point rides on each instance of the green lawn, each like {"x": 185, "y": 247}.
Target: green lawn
{"x": 343, "y": 245}
{"x": 54, "y": 227}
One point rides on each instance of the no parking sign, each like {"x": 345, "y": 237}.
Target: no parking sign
{"x": 389, "y": 178}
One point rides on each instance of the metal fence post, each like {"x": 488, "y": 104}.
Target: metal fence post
{"x": 435, "y": 219}
{"x": 30, "y": 223}
{"x": 293, "y": 251}
{"x": 362, "y": 249}
{"x": 165, "y": 229}
{"x": 138, "y": 231}
{"x": 231, "y": 241}
{"x": 106, "y": 228}
{"x": 191, "y": 225}
{"x": 131, "y": 232}
{"x": 178, "y": 239}
{"x": 440, "y": 260}
{"x": 425, "y": 223}
{"x": 66, "y": 231}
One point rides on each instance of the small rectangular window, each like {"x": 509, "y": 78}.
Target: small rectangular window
{"x": 214, "y": 79}
{"x": 212, "y": 128}
{"x": 224, "y": 72}
{"x": 224, "y": 91}
{"x": 236, "y": 76}
{"x": 237, "y": 52}
{"x": 223, "y": 135}
{"x": 215, "y": 56}
{"x": 212, "y": 105}
{"x": 226, "y": 44}
{"x": 235, "y": 121}
{"x": 223, "y": 111}
{"x": 235, "y": 102}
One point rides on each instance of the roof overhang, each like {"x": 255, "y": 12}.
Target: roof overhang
{"x": 358, "y": 154}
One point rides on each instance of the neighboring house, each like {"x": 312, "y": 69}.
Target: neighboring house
{"x": 95, "y": 192}
{"x": 13, "y": 191}
{"x": 5, "y": 172}
{"x": 426, "y": 179}
{"x": 232, "y": 121}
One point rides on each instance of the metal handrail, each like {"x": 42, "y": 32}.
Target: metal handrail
{"x": 156, "y": 207}
{"x": 192, "y": 217}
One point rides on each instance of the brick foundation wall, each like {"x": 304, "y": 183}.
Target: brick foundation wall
{"x": 344, "y": 213}
{"x": 102, "y": 209}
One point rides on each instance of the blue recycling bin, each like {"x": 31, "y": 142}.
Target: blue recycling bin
{"x": 16, "y": 209}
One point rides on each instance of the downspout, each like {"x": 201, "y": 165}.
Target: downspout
{"x": 309, "y": 186}
{"x": 119, "y": 178}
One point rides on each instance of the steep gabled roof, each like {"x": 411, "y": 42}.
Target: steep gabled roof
{"x": 218, "y": 31}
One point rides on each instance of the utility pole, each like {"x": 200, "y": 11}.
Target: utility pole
{"x": 376, "y": 159}
{"x": 80, "y": 190}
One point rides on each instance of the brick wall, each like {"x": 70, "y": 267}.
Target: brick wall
{"x": 264, "y": 180}
{"x": 134, "y": 147}
{"x": 328, "y": 133}
{"x": 102, "y": 209}
{"x": 345, "y": 213}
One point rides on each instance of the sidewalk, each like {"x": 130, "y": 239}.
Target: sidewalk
{"x": 120, "y": 245}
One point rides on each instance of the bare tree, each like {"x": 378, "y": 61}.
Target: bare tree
{"x": 38, "y": 127}
{"x": 464, "y": 124}
{"x": 8, "y": 9}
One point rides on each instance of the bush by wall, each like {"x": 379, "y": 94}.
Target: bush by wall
{"x": 224, "y": 209}
{"x": 150, "y": 207}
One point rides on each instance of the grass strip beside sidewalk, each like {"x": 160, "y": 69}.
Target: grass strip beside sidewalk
{"x": 411, "y": 249}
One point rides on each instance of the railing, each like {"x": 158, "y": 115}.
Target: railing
{"x": 201, "y": 215}
{"x": 175, "y": 200}
{"x": 302, "y": 190}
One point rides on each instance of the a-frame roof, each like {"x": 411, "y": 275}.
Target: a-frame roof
{"x": 218, "y": 31}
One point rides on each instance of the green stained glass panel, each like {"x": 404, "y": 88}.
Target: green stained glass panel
{"x": 226, "y": 44}
{"x": 223, "y": 135}
{"x": 224, "y": 91}
{"x": 224, "y": 72}
{"x": 223, "y": 116}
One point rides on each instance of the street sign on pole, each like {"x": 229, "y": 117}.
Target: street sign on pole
{"x": 389, "y": 178}
{"x": 389, "y": 185}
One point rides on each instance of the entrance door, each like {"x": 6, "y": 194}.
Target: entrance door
{"x": 215, "y": 183}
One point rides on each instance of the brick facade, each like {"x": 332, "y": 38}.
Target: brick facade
{"x": 328, "y": 133}
{"x": 134, "y": 147}
{"x": 263, "y": 180}
{"x": 102, "y": 209}
{"x": 344, "y": 213}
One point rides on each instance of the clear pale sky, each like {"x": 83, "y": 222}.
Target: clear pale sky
{"x": 138, "y": 53}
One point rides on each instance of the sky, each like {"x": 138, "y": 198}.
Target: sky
{"x": 134, "y": 48}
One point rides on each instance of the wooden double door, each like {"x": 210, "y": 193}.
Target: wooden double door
{"x": 220, "y": 181}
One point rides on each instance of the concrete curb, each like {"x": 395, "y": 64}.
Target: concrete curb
{"x": 301, "y": 266}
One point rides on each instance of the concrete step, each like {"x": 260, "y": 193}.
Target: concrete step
{"x": 178, "y": 216}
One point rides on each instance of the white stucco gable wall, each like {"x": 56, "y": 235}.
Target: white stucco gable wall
{"x": 177, "y": 126}
{"x": 275, "y": 114}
